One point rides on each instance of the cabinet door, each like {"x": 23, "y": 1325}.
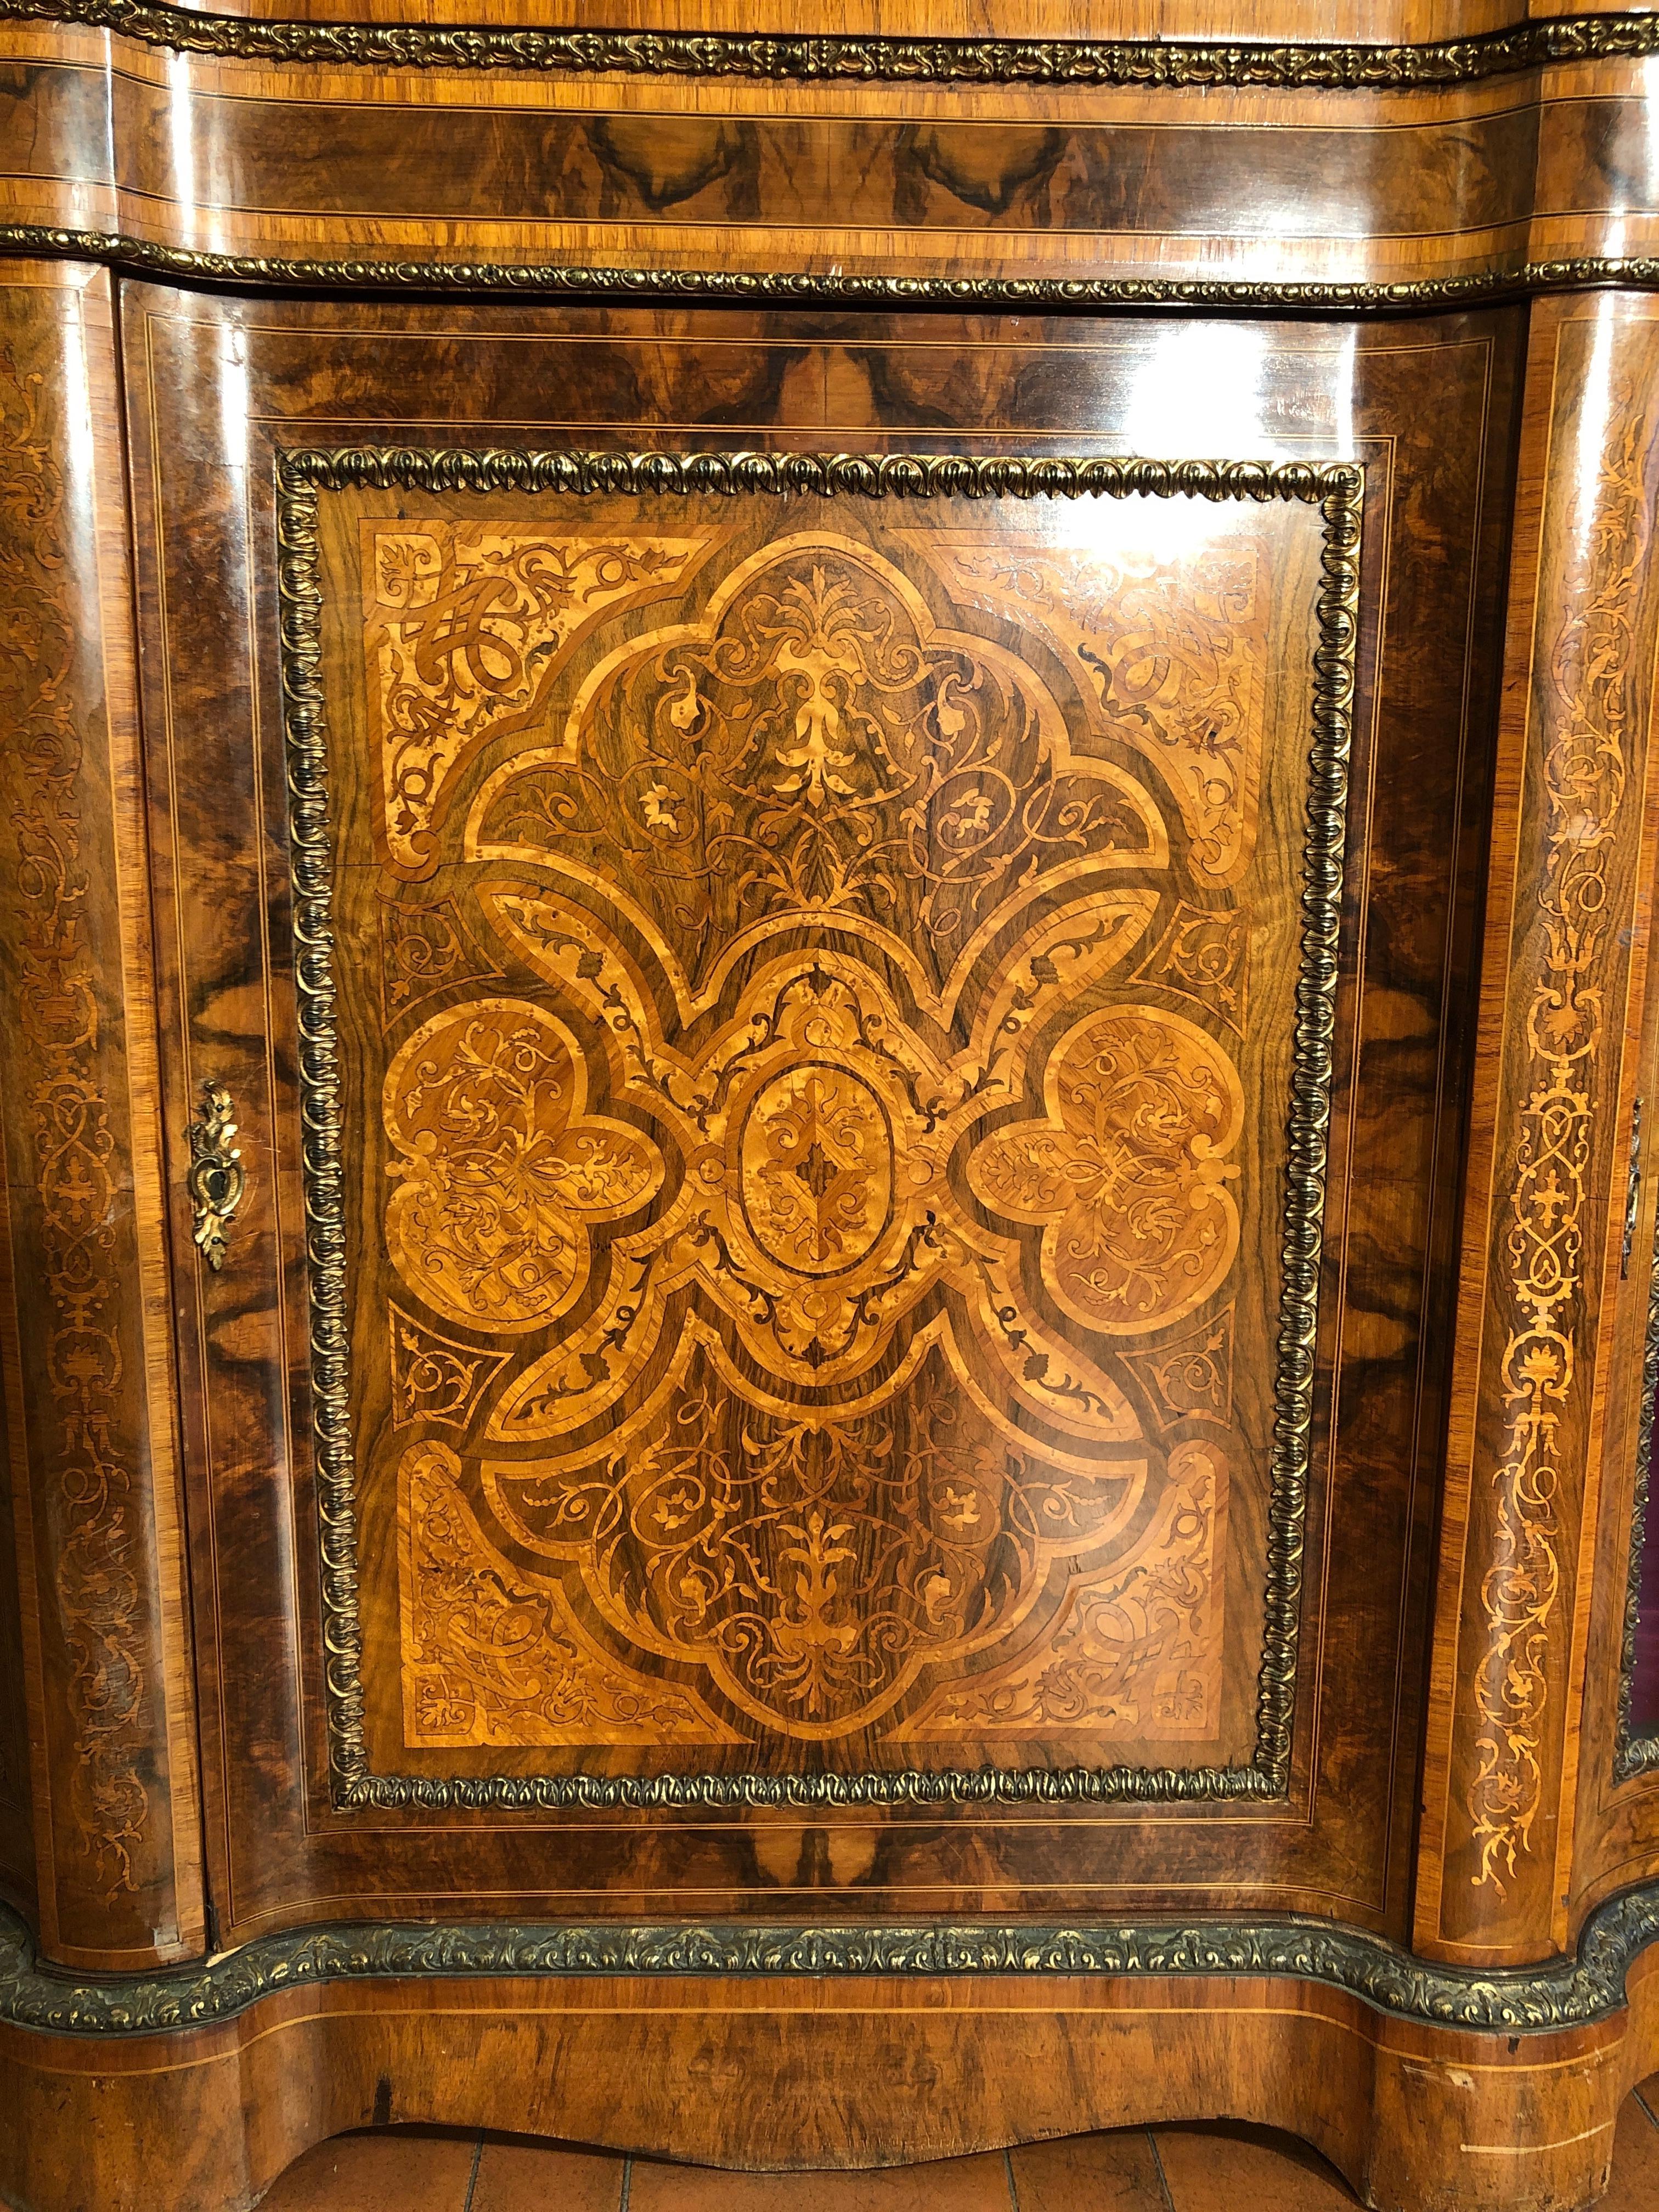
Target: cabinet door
{"x": 844, "y": 1015}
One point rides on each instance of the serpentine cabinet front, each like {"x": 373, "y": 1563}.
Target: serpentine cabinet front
{"x": 829, "y": 1266}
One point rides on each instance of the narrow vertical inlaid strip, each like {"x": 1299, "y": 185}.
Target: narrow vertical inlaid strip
{"x": 1551, "y": 1148}
{"x": 1637, "y": 1751}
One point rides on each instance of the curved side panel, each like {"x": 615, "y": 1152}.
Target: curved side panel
{"x": 1541, "y": 1393}
{"x": 84, "y": 1302}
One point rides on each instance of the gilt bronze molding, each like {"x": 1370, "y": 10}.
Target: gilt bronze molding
{"x": 1157, "y": 65}
{"x": 216, "y": 1179}
{"x": 1567, "y": 1992}
{"x": 765, "y": 289}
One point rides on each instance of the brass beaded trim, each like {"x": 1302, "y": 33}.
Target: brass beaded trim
{"x": 1567, "y": 1992}
{"x": 1336, "y": 489}
{"x": 772, "y": 288}
{"x": 1150, "y": 64}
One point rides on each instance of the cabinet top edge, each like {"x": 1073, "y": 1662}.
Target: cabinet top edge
{"x": 1412, "y": 45}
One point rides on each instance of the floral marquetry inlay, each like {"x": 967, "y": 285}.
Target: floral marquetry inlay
{"x": 464, "y": 629}
{"x": 501, "y": 1172}
{"x": 1129, "y": 1173}
{"x": 1136, "y": 1649}
{"x": 821, "y": 1179}
{"x": 488, "y": 1658}
{"x": 1171, "y": 653}
{"x": 814, "y": 1560}
{"x": 816, "y": 746}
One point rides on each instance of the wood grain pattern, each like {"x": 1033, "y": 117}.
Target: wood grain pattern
{"x": 385, "y": 375}
{"x": 867, "y": 1254}
{"x": 88, "y": 1358}
{"x": 818, "y": 1421}
{"x": 799, "y": 2074}
{"x": 1226, "y": 185}
{"x": 1551, "y": 1131}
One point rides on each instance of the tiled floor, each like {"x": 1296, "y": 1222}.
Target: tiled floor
{"x": 1167, "y": 2169}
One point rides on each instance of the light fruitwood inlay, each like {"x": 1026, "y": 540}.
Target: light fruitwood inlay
{"x": 803, "y": 990}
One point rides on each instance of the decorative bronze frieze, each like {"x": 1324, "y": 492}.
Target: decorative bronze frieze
{"x": 1172, "y": 64}
{"x": 740, "y": 288}
{"x": 1567, "y": 1992}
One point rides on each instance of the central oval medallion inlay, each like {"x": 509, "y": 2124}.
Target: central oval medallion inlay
{"x": 817, "y": 1160}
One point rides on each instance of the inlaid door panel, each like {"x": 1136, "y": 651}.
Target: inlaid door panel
{"x": 840, "y": 952}
{"x": 795, "y": 1109}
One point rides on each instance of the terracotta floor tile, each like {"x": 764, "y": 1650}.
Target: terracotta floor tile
{"x": 1115, "y": 2173}
{"x": 416, "y": 2170}
{"x": 1206, "y": 2169}
{"x": 1635, "y": 2184}
{"x": 949, "y": 2185}
{"x": 1213, "y": 2169}
{"x": 532, "y": 2177}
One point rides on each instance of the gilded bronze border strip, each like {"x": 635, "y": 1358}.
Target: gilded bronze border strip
{"x": 1150, "y": 64}
{"x": 1638, "y": 1751}
{"x": 767, "y": 288}
{"x": 1567, "y": 1992}
{"x": 301, "y": 476}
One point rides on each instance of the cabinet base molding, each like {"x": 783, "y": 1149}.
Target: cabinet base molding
{"x": 798, "y": 2048}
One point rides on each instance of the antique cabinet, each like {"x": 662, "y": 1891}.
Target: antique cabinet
{"x": 826, "y": 1016}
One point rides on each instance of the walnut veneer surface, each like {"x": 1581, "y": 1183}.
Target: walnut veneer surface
{"x": 826, "y": 1025}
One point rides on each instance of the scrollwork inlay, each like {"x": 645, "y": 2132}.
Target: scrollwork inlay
{"x": 795, "y": 1165}
{"x": 78, "y": 1171}
{"x": 1590, "y": 696}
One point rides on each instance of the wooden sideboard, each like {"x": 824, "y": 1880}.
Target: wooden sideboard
{"x": 827, "y": 1037}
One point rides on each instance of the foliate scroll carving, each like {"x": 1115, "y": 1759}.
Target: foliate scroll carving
{"x": 1574, "y": 1991}
{"x": 465, "y": 626}
{"x": 217, "y": 1181}
{"x": 842, "y": 289}
{"x": 1591, "y": 690}
{"x": 813, "y": 1155}
{"x": 1141, "y": 63}
{"x": 490, "y": 1659}
{"x": 78, "y": 1171}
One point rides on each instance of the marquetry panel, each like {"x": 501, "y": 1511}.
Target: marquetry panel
{"x": 337, "y": 1414}
{"x": 820, "y": 1082}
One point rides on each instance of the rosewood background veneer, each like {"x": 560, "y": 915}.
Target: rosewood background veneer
{"x": 825, "y": 1021}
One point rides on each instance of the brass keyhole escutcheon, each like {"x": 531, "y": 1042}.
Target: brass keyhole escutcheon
{"x": 216, "y": 1180}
